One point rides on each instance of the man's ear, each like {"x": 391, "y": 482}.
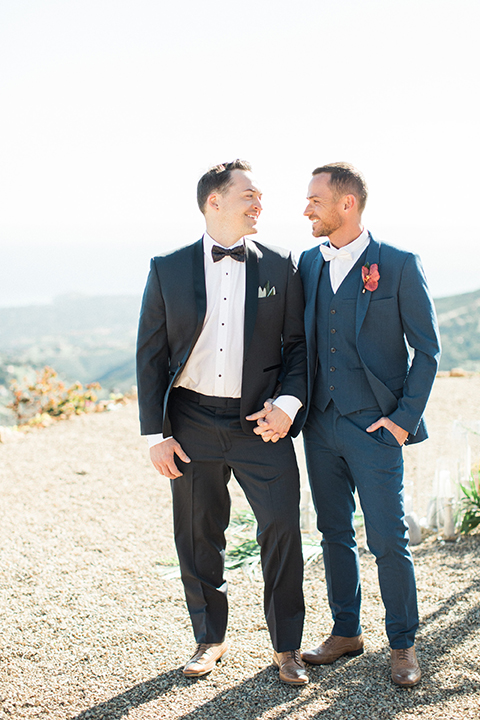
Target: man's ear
{"x": 212, "y": 202}
{"x": 349, "y": 202}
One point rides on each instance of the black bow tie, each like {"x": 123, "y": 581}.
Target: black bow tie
{"x": 237, "y": 253}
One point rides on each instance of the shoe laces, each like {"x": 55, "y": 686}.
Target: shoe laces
{"x": 404, "y": 655}
{"x": 201, "y": 650}
{"x": 329, "y": 641}
{"x": 295, "y": 655}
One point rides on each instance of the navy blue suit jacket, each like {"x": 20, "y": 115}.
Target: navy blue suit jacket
{"x": 398, "y": 312}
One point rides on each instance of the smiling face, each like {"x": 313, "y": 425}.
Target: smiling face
{"x": 324, "y": 209}
{"x": 233, "y": 212}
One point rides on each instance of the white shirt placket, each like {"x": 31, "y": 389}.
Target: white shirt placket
{"x": 223, "y": 326}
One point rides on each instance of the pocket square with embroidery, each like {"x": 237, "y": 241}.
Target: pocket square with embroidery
{"x": 266, "y": 291}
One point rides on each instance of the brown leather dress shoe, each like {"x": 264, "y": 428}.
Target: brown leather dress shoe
{"x": 334, "y": 647}
{"x": 405, "y": 668}
{"x": 204, "y": 659}
{"x": 292, "y": 669}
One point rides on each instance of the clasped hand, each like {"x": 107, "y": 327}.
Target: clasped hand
{"x": 272, "y": 422}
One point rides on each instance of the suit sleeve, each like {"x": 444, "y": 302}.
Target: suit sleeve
{"x": 294, "y": 380}
{"x": 152, "y": 356}
{"x": 421, "y": 330}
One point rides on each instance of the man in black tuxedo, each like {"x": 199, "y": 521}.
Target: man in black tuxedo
{"x": 220, "y": 332}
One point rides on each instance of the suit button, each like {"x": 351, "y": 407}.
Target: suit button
{"x": 332, "y": 312}
{"x": 332, "y": 369}
{"x": 332, "y": 387}
{"x": 333, "y": 331}
{"x": 333, "y": 349}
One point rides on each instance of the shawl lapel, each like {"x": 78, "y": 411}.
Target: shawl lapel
{"x": 252, "y": 257}
{"x": 200, "y": 293}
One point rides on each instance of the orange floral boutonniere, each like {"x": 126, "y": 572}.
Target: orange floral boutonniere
{"x": 370, "y": 277}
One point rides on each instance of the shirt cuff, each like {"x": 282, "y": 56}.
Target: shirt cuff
{"x": 289, "y": 404}
{"x": 155, "y": 439}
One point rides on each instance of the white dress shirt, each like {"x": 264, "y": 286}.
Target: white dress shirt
{"x": 343, "y": 259}
{"x": 215, "y": 365}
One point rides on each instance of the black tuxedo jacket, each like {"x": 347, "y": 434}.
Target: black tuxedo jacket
{"x": 171, "y": 319}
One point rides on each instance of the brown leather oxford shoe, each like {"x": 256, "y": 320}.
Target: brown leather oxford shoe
{"x": 204, "y": 659}
{"x": 334, "y": 647}
{"x": 291, "y": 667}
{"x": 405, "y": 668}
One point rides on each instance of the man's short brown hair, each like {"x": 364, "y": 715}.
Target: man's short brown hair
{"x": 346, "y": 180}
{"x": 217, "y": 179}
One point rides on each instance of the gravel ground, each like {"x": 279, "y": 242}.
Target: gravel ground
{"x": 90, "y": 627}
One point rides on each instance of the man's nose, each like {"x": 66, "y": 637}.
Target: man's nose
{"x": 307, "y": 210}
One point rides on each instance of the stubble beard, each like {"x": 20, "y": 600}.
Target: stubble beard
{"x": 326, "y": 228}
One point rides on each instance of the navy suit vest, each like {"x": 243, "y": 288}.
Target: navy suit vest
{"x": 340, "y": 375}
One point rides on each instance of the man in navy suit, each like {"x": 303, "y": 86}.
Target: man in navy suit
{"x": 365, "y": 300}
{"x": 221, "y": 330}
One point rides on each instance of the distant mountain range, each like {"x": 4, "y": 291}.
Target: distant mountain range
{"x": 459, "y": 320}
{"x": 82, "y": 338}
{"x": 93, "y": 338}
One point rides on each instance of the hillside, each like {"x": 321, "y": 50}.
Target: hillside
{"x": 459, "y": 320}
{"x": 83, "y": 338}
{"x": 93, "y": 338}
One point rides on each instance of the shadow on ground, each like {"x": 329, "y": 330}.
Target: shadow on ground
{"x": 120, "y": 705}
{"x": 356, "y": 688}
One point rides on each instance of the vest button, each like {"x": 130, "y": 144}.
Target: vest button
{"x": 332, "y": 369}
{"x": 332, "y": 387}
{"x": 333, "y": 331}
{"x": 332, "y": 312}
{"x": 333, "y": 349}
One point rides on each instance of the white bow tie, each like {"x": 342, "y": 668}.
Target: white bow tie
{"x": 330, "y": 253}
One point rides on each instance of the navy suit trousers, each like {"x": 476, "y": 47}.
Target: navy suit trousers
{"x": 341, "y": 457}
{"x": 213, "y": 438}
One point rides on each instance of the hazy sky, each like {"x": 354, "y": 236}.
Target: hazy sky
{"x": 112, "y": 109}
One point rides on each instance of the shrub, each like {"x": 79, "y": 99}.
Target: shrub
{"x": 47, "y": 398}
{"x": 470, "y": 507}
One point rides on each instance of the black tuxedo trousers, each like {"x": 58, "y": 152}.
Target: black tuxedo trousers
{"x": 210, "y": 432}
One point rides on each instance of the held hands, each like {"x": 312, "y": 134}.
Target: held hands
{"x": 398, "y": 433}
{"x": 272, "y": 422}
{"x": 163, "y": 454}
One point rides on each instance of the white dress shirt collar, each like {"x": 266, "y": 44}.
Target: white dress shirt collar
{"x": 341, "y": 266}
{"x": 357, "y": 246}
{"x": 209, "y": 242}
